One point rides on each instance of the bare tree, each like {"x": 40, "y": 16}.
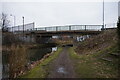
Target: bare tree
{"x": 118, "y": 31}
{"x": 4, "y": 22}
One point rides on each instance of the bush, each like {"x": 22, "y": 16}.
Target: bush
{"x": 17, "y": 60}
{"x": 118, "y": 31}
{"x": 9, "y": 39}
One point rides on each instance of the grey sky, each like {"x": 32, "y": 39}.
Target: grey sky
{"x": 61, "y": 13}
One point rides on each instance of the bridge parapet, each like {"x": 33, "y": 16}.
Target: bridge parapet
{"x": 65, "y": 29}
{"x": 71, "y": 27}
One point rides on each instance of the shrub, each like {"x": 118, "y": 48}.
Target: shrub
{"x": 118, "y": 31}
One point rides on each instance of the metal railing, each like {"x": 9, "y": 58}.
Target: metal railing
{"x": 71, "y": 27}
{"x": 30, "y": 27}
{"x": 27, "y": 27}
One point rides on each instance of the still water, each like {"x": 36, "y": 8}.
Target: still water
{"x": 37, "y": 54}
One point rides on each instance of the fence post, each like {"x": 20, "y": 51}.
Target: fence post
{"x": 12, "y": 29}
{"x": 33, "y": 25}
{"x": 23, "y": 28}
{"x": 105, "y": 26}
{"x": 18, "y": 28}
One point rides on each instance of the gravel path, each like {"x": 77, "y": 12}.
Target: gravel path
{"x": 62, "y": 66}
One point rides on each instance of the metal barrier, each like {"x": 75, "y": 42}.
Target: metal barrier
{"x": 27, "y": 27}
{"x": 30, "y": 27}
{"x": 71, "y": 27}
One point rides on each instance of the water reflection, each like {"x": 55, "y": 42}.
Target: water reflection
{"x": 61, "y": 70}
{"x": 54, "y": 49}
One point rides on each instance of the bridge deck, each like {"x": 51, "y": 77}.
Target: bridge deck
{"x": 72, "y": 32}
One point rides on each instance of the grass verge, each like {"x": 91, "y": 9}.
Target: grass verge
{"x": 40, "y": 71}
{"x": 92, "y": 65}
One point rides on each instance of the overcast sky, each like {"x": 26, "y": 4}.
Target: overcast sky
{"x": 61, "y": 13}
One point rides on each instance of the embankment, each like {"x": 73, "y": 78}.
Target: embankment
{"x": 97, "y": 57}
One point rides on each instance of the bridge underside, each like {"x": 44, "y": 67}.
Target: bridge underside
{"x": 46, "y": 36}
{"x": 73, "y": 32}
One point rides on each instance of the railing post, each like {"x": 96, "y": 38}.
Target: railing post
{"x": 69, "y": 27}
{"x": 45, "y": 29}
{"x": 105, "y": 26}
{"x": 102, "y": 27}
{"x": 85, "y": 27}
{"x": 56, "y": 28}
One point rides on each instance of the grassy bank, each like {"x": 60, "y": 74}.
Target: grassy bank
{"x": 93, "y": 65}
{"x": 40, "y": 71}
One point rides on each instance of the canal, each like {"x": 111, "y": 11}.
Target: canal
{"x": 38, "y": 53}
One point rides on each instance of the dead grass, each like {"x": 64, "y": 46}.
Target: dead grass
{"x": 88, "y": 56}
{"x": 98, "y": 42}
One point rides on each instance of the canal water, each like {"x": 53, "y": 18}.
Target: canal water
{"x": 37, "y": 54}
